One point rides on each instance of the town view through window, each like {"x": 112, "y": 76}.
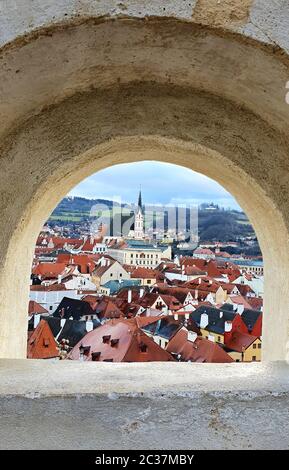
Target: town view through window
{"x": 145, "y": 262}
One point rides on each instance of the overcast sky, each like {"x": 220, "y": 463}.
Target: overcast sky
{"x": 161, "y": 183}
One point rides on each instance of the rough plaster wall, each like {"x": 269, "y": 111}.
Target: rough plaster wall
{"x": 265, "y": 20}
{"x": 222, "y": 13}
{"x": 64, "y": 52}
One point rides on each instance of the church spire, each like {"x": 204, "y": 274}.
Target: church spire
{"x": 139, "y": 199}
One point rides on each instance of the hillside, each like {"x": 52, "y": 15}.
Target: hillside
{"x": 219, "y": 224}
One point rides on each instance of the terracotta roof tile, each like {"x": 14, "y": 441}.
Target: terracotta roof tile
{"x": 199, "y": 350}
{"x": 119, "y": 341}
{"x": 41, "y": 343}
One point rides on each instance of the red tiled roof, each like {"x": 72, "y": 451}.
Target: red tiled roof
{"x": 129, "y": 268}
{"x": 201, "y": 350}
{"x": 59, "y": 242}
{"x": 244, "y": 289}
{"x": 227, "y": 286}
{"x": 100, "y": 270}
{"x": 104, "y": 306}
{"x": 35, "y": 308}
{"x": 203, "y": 284}
{"x": 84, "y": 263}
{"x": 239, "y": 300}
{"x": 119, "y": 341}
{"x": 203, "y": 251}
{"x": 41, "y": 344}
{"x": 239, "y": 341}
{"x": 52, "y": 270}
{"x": 255, "y": 302}
{"x": 144, "y": 273}
{"x": 166, "y": 265}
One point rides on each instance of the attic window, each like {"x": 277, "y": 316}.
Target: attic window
{"x": 95, "y": 356}
{"x": 84, "y": 350}
{"x": 106, "y": 339}
{"x": 46, "y": 342}
{"x": 114, "y": 342}
{"x": 143, "y": 347}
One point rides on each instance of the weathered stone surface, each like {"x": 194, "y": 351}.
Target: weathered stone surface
{"x": 143, "y": 406}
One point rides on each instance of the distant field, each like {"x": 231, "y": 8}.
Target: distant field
{"x": 66, "y": 218}
{"x": 78, "y": 216}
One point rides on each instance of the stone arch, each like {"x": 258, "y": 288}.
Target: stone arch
{"x": 97, "y": 92}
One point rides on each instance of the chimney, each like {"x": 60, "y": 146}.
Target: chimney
{"x": 204, "y": 320}
{"x": 221, "y": 314}
{"x": 36, "y": 320}
{"x": 240, "y": 309}
{"x": 228, "y": 326}
{"x": 200, "y": 280}
{"x": 62, "y": 322}
{"x": 88, "y": 326}
{"x": 141, "y": 292}
{"x": 176, "y": 316}
{"x": 129, "y": 296}
{"x": 192, "y": 336}
{"x": 59, "y": 279}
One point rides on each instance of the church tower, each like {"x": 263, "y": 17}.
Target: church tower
{"x": 139, "y": 220}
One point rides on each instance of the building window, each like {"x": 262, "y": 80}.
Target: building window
{"x": 254, "y": 346}
{"x": 95, "y": 356}
{"x": 259, "y": 346}
{"x": 253, "y": 358}
{"x": 106, "y": 339}
{"x": 143, "y": 348}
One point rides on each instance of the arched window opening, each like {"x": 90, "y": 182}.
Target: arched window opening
{"x": 147, "y": 257}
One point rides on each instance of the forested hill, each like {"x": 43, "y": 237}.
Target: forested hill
{"x": 79, "y": 205}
